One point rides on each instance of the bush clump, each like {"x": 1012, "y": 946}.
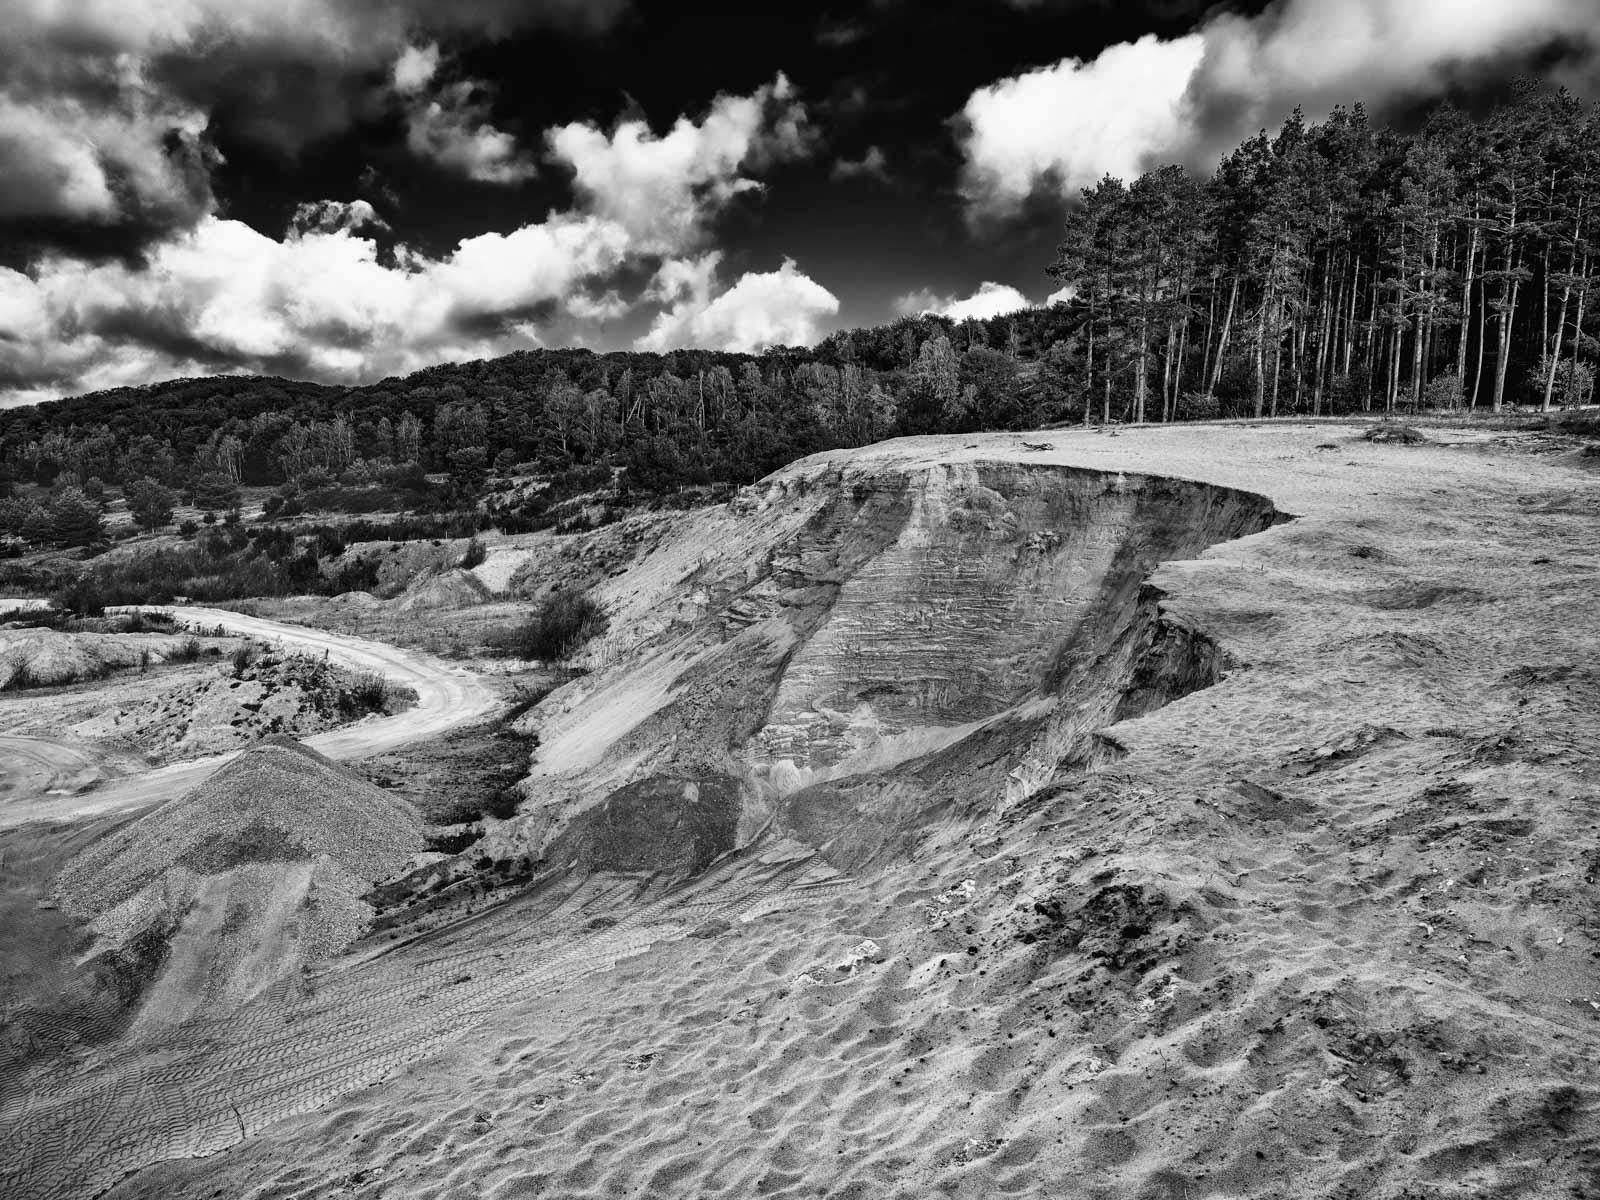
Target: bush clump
{"x": 368, "y": 694}
{"x": 563, "y": 622}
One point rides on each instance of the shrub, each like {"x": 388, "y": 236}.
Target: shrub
{"x": 23, "y": 677}
{"x": 474, "y": 555}
{"x": 20, "y": 679}
{"x": 1443, "y": 391}
{"x": 146, "y": 622}
{"x": 242, "y": 658}
{"x": 369, "y": 693}
{"x": 1197, "y": 406}
{"x": 82, "y": 597}
{"x": 187, "y": 651}
{"x": 559, "y": 627}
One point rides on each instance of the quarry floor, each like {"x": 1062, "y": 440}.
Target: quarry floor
{"x": 1327, "y": 928}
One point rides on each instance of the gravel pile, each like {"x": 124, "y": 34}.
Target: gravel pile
{"x": 278, "y": 806}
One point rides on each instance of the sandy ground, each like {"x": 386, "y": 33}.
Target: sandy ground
{"x": 1326, "y": 928}
{"x": 447, "y": 696}
{"x": 34, "y": 766}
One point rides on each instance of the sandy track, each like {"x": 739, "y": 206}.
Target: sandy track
{"x": 32, "y": 766}
{"x": 447, "y": 696}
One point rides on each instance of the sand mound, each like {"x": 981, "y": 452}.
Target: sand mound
{"x": 453, "y": 589}
{"x": 253, "y": 874}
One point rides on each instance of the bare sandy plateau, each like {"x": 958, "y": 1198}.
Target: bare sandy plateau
{"x": 1185, "y": 812}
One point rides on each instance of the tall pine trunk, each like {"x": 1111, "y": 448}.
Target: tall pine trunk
{"x": 1222, "y": 342}
{"x": 1555, "y": 352}
{"x": 1466, "y": 308}
{"x": 1483, "y": 341}
{"x": 1261, "y": 354}
{"x": 1508, "y": 314}
{"x": 1577, "y": 328}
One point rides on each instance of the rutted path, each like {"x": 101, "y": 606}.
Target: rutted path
{"x": 447, "y": 696}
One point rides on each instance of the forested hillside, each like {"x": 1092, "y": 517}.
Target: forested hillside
{"x": 1326, "y": 268}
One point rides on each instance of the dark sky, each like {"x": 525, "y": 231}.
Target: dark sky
{"x": 343, "y": 189}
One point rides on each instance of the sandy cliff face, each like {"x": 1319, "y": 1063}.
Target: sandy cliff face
{"x": 841, "y": 624}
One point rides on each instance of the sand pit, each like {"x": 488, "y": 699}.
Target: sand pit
{"x": 1287, "y": 891}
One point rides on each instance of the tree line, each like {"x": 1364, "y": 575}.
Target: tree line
{"x": 1326, "y": 268}
{"x": 1337, "y": 265}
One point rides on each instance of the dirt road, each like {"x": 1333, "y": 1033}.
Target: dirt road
{"x": 32, "y": 766}
{"x": 447, "y": 696}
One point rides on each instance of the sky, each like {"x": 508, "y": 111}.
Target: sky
{"x": 343, "y": 190}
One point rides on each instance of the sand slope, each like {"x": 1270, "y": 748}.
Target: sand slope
{"x": 1323, "y": 928}
{"x": 252, "y": 875}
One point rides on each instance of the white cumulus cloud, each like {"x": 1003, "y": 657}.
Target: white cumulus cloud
{"x": 318, "y": 302}
{"x": 772, "y": 308}
{"x": 448, "y": 124}
{"x": 660, "y": 187}
{"x": 415, "y": 68}
{"x": 1074, "y": 122}
{"x": 990, "y": 300}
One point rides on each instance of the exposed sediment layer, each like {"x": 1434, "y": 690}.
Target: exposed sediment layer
{"x": 886, "y": 616}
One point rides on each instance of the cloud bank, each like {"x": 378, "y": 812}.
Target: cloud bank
{"x": 323, "y": 302}
{"x": 1188, "y": 99}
